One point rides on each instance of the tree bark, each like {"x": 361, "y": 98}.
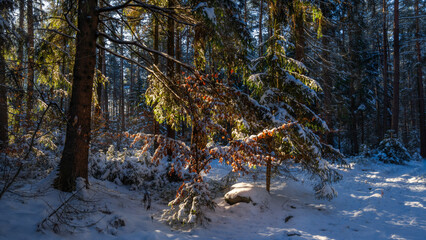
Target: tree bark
{"x": 422, "y": 123}
{"x": 300, "y": 36}
{"x": 17, "y": 119}
{"x": 260, "y": 28}
{"x": 386, "y": 99}
{"x": 30, "y": 75}
{"x": 4, "y": 134}
{"x": 74, "y": 162}
{"x": 395, "y": 105}
{"x": 98, "y": 110}
{"x": 268, "y": 174}
{"x": 171, "y": 52}
{"x": 121, "y": 109}
{"x": 155, "y": 124}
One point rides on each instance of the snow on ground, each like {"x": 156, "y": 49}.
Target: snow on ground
{"x": 376, "y": 201}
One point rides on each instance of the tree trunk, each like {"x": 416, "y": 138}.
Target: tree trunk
{"x": 268, "y": 174}
{"x": 155, "y": 124}
{"x": 130, "y": 96}
{"x": 300, "y": 36}
{"x": 105, "y": 93}
{"x": 74, "y": 162}
{"x": 4, "y": 135}
{"x": 395, "y": 105}
{"x": 121, "y": 109}
{"x": 327, "y": 81}
{"x": 422, "y": 123}
{"x": 386, "y": 100}
{"x": 245, "y": 11}
{"x": 198, "y": 144}
{"x": 98, "y": 109}
{"x": 30, "y": 76}
{"x": 170, "y": 64}
{"x": 20, "y": 67}
{"x": 260, "y": 28}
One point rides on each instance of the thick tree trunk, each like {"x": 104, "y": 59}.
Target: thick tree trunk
{"x": 198, "y": 144}
{"x": 74, "y": 162}
{"x": 300, "y": 36}
{"x": 4, "y": 135}
{"x": 422, "y": 123}
{"x": 395, "y": 105}
{"x": 30, "y": 76}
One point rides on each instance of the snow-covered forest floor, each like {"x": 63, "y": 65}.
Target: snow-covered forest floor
{"x": 376, "y": 201}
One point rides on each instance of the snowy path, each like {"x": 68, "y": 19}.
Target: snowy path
{"x": 389, "y": 203}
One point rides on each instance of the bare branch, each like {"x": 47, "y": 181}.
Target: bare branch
{"x": 113, "y": 8}
{"x": 135, "y": 43}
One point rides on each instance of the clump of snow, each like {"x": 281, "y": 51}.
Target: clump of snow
{"x": 255, "y": 195}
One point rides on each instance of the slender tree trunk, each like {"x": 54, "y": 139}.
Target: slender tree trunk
{"x": 268, "y": 174}
{"x": 17, "y": 119}
{"x": 130, "y": 96}
{"x": 395, "y": 105}
{"x": 105, "y": 93}
{"x": 171, "y": 52}
{"x": 422, "y": 123}
{"x": 245, "y": 11}
{"x": 156, "y": 62}
{"x": 30, "y": 76}
{"x": 260, "y": 28}
{"x": 4, "y": 134}
{"x": 386, "y": 100}
{"x": 121, "y": 109}
{"x": 114, "y": 94}
{"x": 74, "y": 162}
{"x": 98, "y": 109}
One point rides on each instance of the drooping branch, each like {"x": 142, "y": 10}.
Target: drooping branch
{"x": 156, "y": 73}
{"x": 136, "y": 43}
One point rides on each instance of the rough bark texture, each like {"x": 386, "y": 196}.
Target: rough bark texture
{"x": 30, "y": 76}
{"x": 422, "y": 123}
{"x": 74, "y": 162}
{"x": 300, "y": 36}
{"x": 198, "y": 143}
{"x": 395, "y": 104}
